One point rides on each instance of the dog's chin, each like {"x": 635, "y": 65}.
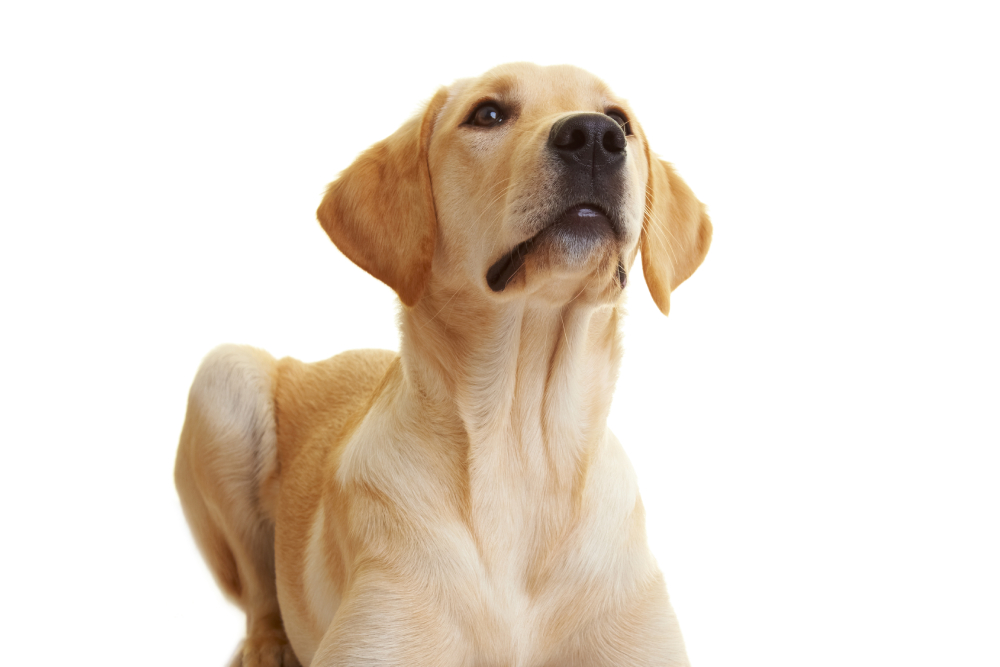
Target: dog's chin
{"x": 578, "y": 243}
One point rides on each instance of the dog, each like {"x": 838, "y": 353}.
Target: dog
{"x": 462, "y": 502}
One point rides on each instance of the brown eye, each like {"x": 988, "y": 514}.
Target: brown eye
{"x": 486, "y": 115}
{"x": 619, "y": 118}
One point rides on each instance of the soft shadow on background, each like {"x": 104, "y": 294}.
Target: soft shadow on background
{"x": 814, "y": 426}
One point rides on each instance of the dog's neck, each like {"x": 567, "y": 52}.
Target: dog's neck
{"x": 529, "y": 384}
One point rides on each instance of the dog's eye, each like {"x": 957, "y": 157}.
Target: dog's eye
{"x": 486, "y": 115}
{"x": 619, "y": 118}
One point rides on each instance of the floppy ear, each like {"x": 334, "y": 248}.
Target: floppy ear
{"x": 676, "y": 232}
{"x": 380, "y": 210}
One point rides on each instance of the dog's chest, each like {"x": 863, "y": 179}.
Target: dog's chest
{"x": 512, "y": 594}
{"x": 540, "y": 583}
{"x": 531, "y": 567}
{"x": 511, "y": 567}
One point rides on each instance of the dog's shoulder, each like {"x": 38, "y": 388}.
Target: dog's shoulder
{"x": 324, "y": 400}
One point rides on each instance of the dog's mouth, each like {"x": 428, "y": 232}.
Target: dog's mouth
{"x": 582, "y": 223}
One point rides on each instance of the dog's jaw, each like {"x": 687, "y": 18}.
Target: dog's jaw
{"x": 572, "y": 240}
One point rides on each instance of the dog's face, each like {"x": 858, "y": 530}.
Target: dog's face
{"x": 539, "y": 184}
{"x": 525, "y": 183}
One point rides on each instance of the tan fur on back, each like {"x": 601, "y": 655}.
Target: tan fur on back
{"x": 463, "y": 502}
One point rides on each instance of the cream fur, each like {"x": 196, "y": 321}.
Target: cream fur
{"x": 462, "y": 503}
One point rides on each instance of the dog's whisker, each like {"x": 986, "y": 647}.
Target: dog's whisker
{"x": 584, "y": 289}
{"x": 662, "y": 234}
{"x": 562, "y": 322}
{"x": 441, "y": 310}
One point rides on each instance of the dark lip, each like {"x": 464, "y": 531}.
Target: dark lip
{"x": 585, "y": 216}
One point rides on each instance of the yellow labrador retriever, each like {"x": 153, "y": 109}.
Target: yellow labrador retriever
{"x": 461, "y": 503}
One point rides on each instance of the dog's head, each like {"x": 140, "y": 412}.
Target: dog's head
{"x": 527, "y": 182}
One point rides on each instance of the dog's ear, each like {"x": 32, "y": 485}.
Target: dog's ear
{"x": 380, "y": 210}
{"x": 676, "y": 232}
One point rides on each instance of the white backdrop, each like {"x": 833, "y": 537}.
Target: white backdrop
{"x": 825, "y": 491}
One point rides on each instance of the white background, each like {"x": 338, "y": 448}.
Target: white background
{"x": 815, "y": 425}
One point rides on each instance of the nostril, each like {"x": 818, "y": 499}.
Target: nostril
{"x": 614, "y": 141}
{"x": 571, "y": 140}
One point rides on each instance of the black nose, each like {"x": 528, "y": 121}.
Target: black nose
{"x": 588, "y": 141}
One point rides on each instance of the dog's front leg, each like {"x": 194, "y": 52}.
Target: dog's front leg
{"x": 384, "y": 622}
{"x": 643, "y": 633}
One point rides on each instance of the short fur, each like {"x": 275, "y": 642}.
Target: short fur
{"x": 461, "y": 503}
